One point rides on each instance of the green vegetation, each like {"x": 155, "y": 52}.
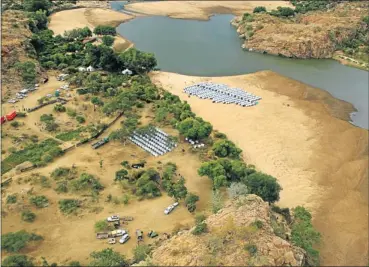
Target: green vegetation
{"x": 225, "y": 148}
{"x": 237, "y": 189}
{"x": 147, "y": 184}
{"x": 200, "y": 228}
{"x": 108, "y": 257}
{"x": 252, "y": 249}
{"x": 39, "y": 201}
{"x": 74, "y": 264}
{"x": 283, "y": 12}
{"x": 103, "y": 226}
{"x": 216, "y": 201}
{"x": 14, "y": 124}
{"x": 104, "y": 30}
{"x": 69, "y": 206}
{"x": 263, "y": 185}
{"x": 70, "y": 135}
{"x": 80, "y": 119}
{"x": 28, "y": 216}
{"x": 247, "y": 17}
{"x": 49, "y": 121}
{"x": 17, "y": 261}
{"x": 195, "y": 128}
{"x": 107, "y": 40}
{"x": 86, "y": 182}
{"x": 62, "y": 172}
{"x": 78, "y": 33}
{"x": 303, "y": 6}
{"x": 34, "y": 5}
{"x": 37, "y": 20}
{"x": 140, "y": 252}
{"x": 259, "y": 9}
{"x": 190, "y": 202}
{"x": 27, "y": 70}
{"x": 59, "y": 108}
{"x": 285, "y": 212}
{"x": 121, "y": 175}
{"x": 11, "y": 199}
{"x": 304, "y": 235}
{"x": 15, "y": 241}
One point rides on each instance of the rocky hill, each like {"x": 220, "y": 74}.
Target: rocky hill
{"x": 15, "y": 48}
{"x": 315, "y": 34}
{"x": 240, "y": 234}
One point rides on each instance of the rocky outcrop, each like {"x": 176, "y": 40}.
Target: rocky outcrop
{"x": 232, "y": 239}
{"x": 304, "y": 36}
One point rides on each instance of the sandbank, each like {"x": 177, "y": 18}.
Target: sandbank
{"x": 294, "y": 134}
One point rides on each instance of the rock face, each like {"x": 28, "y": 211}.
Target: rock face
{"x": 233, "y": 239}
{"x": 305, "y": 36}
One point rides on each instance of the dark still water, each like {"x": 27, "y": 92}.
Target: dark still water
{"x": 212, "y": 48}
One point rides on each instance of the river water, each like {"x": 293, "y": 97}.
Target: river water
{"x": 213, "y": 48}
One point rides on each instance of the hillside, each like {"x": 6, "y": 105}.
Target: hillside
{"x": 15, "y": 48}
{"x": 240, "y": 234}
{"x": 315, "y": 34}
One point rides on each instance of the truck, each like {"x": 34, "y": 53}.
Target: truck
{"x": 170, "y": 208}
{"x": 113, "y": 218}
{"x": 11, "y": 115}
{"x": 118, "y": 232}
{"x": 102, "y": 235}
{"x": 139, "y": 234}
{"x": 3, "y": 119}
{"x": 100, "y": 143}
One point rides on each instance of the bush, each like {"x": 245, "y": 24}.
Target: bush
{"x": 195, "y": 129}
{"x": 259, "y": 224}
{"x": 71, "y": 112}
{"x": 283, "y": 12}
{"x": 108, "y": 40}
{"x": 11, "y": 199}
{"x": 225, "y": 148}
{"x": 86, "y": 182}
{"x": 216, "y": 201}
{"x": 14, "y": 242}
{"x": 220, "y": 135}
{"x": 285, "y": 212}
{"x": 247, "y": 17}
{"x": 27, "y": 71}
{"x": 61, "y": 187}
{"x": 259, "y": 9}
{"x": 14, "y": 124}
{"x": 34, "y": 5}
{"x": 237, "y": 189}
{"x": 103, "y": 226}
{"x": 68, "y": 206}
{"x": 80, "y": 119}
{"x": 263, "y": 185}
{"x": 190, "y": 202}
{"x": 59, "y": 108}
{"x": 108, "y": 257}
{"x": 21, "y": 114}
{"x": 252, "y": 249}
{"x": 199, "y": 218}
{"x": 60, "y": 172}
{"x": 200, "y": 228}
{"x": 28, "y": 216}
{"x": 17, "y": 261}
{"x": 140, "y": 252}
{"x": 105, "y": 30}
{"x": 39, "y": 201}
{"x": 74, "y": 264}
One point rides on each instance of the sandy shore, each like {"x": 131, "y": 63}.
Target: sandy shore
{"x": 200, "y": 10}
{"x": 90, "y": 17}
{"x": 320, "y": 160}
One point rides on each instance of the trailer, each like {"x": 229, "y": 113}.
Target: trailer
{"x": 3, "y": 119}
{"x": 100, "y": 143}
{"x": 11, "y": 116}
{"x": 127, "y": 218}
{"x": 102, "y": 235}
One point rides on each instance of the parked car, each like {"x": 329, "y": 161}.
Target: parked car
{"x": 111, "y": 241}
{"x": 20, "y": 97}
{"x": 170, "y": 208}
{"x": 12, "y": 101}
{"x": 118, "y": 232}
{"x": 124, "y": 239}
{"x": 36, "y": 85}
{"x": 113, "y": 218}
{"x": 152, "y": 234}
{"x": 49, "y": 95}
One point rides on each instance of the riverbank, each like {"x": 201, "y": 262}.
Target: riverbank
{"x": 320, "y": 161}
{"x": 200, "y": 10}
{"x": 90, "y": 17}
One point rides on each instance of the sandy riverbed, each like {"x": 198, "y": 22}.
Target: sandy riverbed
{"x": 200, "y": 10}
{"x": 321, "y": 161}
{"x": 90, "y": 17}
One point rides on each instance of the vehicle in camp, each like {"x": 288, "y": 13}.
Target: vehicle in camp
{"x": 152, "y": 234}
{"x": 116, "y": 224}
{"x": 113, "y": 218}
{"x": 24, "y": 91}
{"x": 139, "y": 234}
{"x": 49, "y": 95}
{"x": 11, "y": 115}
{"x": 118, "y": 232}
{"x": 12, "y": 101}
{"x": 36, "y": 85}
{"x": 100, "y": 143}
{"x": 124, "y": 239}
{"x": 102, "y": 235}
{"x": 111, "y": 241}
{"x": 170, "y": 208}
{"x": 127, "y": 218}
{"x": 3, "y": 119}
{"x": 138, "y": 165}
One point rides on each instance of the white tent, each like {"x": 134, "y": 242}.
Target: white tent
{"x": 127, "y": 71}
{"x": 90, "y": 69}
{"x": 81, "y": 69}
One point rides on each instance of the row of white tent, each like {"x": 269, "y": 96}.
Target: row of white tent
{"x": 91, "y": 69}
{"x": 221, "y": 93}
{"x": 154, "y": 141}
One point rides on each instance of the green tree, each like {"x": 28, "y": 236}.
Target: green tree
{"x": 38, "y": 20}
{"x": 225, "y": 148}
{"x": 14, "y": 242}
{"x": 259, "y": 9}
{"x": 11, "y": 199}
{"x": 59, "y": 108}
{"x": 140, "y": 252}
{"x": 107, "y": 40}
{"x": 35, "y": 5}
{"x": 195, "y": 128}
{"x": 147, "y": 187}
{"x": 68, "y": 206}
{"x": 137, "y": 61}
{"x": 190, "y": 201}
{"x": 108, "y": 257}
{"x": 17, "y": 261}
{"x": 179, "y": 189}
{"x": 263, "y": 185}
{"x": 105, "y": 30}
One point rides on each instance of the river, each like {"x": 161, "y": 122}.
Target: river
{"x": 213, "y": 48}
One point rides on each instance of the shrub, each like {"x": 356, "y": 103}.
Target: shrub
{"x": 71, "y": 112}
{"x": 39, "y": 201}
{"x": 283, "y": 211}
{"x": 195, "y": 129}
{"x": 252, "y": 249}
{"x": 259, "y": 224}
{"x": 237, "y": 189}
{"x": 60, "y": 172}
{"x": 86, "y": 182}
{"x": 108, "y": 257}
{"x": 68, "y": 206}
{"x": 61, "y": 187}
{"x": 199, "y": 218}
{"x": 80, "y": 119}
{"x": 247, "y": 17}
{"x": 259, "y": 9}
{"x": 216, "y": 201}
{"x": 13, "y": 242}
{"x": 108, "y": 40}
{"x": 74, "y": 264}
{"x": 21, "y": 114}
{"x": 140, "y": 252}
{"x": 103, "y": 226}
{"x": 190, "y": 202}
{"x": 14, "y": 124}
{"x": 200, "y": 228}
{"x": 220, "y": 135}
{"x": 27, "y": 71}
{"x": 59, "y": 108}
{"x": 11, "y": 199}
{"x": 28, "y": 216}
{"x": 225, "y": 148}
{"x": 17, "y": 261}
{"x": 263, "y": 185}
{"x": 105, "y": 30}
